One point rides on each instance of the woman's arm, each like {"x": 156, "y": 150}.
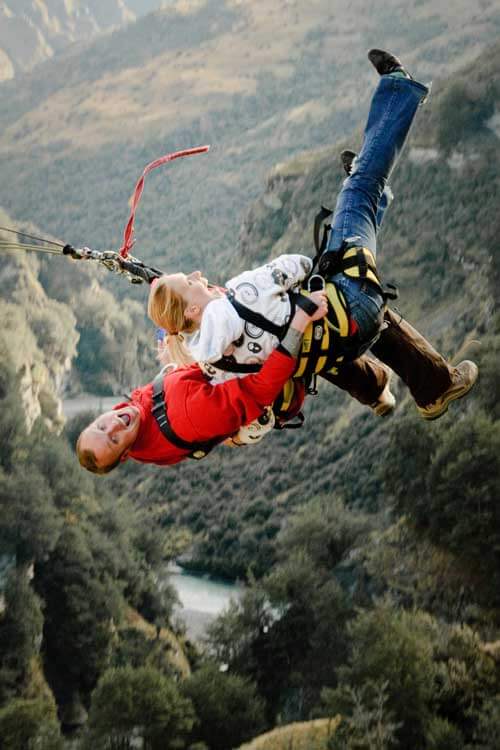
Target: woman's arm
{"x": 290, "y": 270}
{"x": 220, "y": 326}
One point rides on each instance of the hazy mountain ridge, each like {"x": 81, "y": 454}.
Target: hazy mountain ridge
{"x": 260, "y": 82}
{"x": 33, "y": 32}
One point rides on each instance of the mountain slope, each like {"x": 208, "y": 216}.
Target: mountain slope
{"x": 259, "y": 81}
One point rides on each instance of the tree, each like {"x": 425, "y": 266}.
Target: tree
{"x": 12, "y": 426}
{"x": 29, "y": 523}
{"x": 228, "y": 707}
{"x": 30, "y": 725}
{"x": 464, "y": 487}
{"x": 462, "y": 114}
{"x": 366, "y": 723}
{"x": 20, "y": 634}
{"x": 396, "y": 648}
{"x": 129, "y": 703}
{"x": 325, "y": 529}
{"x": 78, "y": 611}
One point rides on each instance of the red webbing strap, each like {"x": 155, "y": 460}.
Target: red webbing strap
{"x": 128, "y": 236}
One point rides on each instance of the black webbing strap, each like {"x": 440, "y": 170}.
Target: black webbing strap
{"x": 363, "y": 263}
{"x": 255, "y": 318}
{"x": 229, "y": 364}
{"x": 304, "y": 303}
{"x": 159, "y": 412}
{"x": 291, "y": 425}
{"x": 320, "y": 244}
{"x": 319, "y": 221}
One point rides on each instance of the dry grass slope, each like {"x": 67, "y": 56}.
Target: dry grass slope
{"x": 177, "y": 655}
{"x": 306, "y": 735}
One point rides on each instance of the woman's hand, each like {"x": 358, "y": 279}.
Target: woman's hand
{"x": 321, "y": 300}
{"x": 301, "y": 319}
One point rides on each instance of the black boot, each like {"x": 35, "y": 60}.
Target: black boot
{"x": 347, "y": 157}
{"x": 385, "y": 63}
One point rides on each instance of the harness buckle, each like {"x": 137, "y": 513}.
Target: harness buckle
{"x": 198, "y": 455}
{"x": 316, "y": 283}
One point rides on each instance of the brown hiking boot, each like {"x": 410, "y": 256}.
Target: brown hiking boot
{"x": 464, "y": 375}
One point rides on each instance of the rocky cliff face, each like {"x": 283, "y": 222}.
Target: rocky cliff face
{"x": 40, "y": 336}
{"x": 31, "y": 32}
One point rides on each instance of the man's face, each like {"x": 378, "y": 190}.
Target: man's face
{"x": 111, "y": 435}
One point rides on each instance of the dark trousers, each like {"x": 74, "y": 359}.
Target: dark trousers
{"x": 400, "y": 346}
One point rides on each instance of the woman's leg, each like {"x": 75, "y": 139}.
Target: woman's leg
{"x": 392, "y": 111}
{"x": 384, "y": 203}
{"x": 348, "y": 159}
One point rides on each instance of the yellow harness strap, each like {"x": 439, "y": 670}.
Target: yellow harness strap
{"x": 337, "y": 318}
{"x": 351, "y": 267}
{"x": 318, "y": 343}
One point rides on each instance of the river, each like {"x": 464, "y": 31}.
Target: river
{"x": 202, "y": 599}
{"x": 88, "y": 402}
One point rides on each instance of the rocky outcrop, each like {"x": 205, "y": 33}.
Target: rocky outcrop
{"x": 31, "y": 32}
{"x": 40, "y": 336}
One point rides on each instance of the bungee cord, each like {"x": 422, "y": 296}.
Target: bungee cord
{"x": 121, "y": 262}
{"x": 10, "y": 245}
{"x": 32, "y": 237}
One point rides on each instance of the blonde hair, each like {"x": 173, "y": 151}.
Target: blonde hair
{"x": 167, "y": 310}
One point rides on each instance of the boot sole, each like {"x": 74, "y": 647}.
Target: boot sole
{"x": 444, "y": 409}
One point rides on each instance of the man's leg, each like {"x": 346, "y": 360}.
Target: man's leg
{"x": 367, "y": 380}
{"x": 432, "y": 381}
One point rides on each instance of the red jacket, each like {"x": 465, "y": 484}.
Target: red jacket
{"x": 198, "y": 411}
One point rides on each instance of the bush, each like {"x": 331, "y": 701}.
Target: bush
{"x": 128, "y": 703}
{"x": 30, "y": 725}
{"x": 227, "y": 706}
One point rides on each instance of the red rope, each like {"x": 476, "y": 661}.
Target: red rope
{"x": 128, "y": 235}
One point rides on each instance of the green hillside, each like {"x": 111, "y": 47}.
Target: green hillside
{"x": 311, "y": 735}
{"x": 259, "y": 81}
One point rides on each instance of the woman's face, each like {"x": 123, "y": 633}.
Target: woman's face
{"x": 193, "y": 288}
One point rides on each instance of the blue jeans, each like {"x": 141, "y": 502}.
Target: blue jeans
{"x": 362, "y": 200}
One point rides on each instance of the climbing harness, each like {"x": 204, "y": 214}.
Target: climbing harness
{"x": 350, "y": 259}
{"x": 197, "y": 450}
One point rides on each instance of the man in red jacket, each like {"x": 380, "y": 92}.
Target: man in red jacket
{"x": 181, "y": 415}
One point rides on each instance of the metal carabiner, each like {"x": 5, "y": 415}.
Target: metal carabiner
{"x": 316, "y": 283}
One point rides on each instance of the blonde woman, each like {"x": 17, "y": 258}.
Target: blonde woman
{"x": 204, "y": 324}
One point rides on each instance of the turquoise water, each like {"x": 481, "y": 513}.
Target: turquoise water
{"x": 202, "y": 594}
